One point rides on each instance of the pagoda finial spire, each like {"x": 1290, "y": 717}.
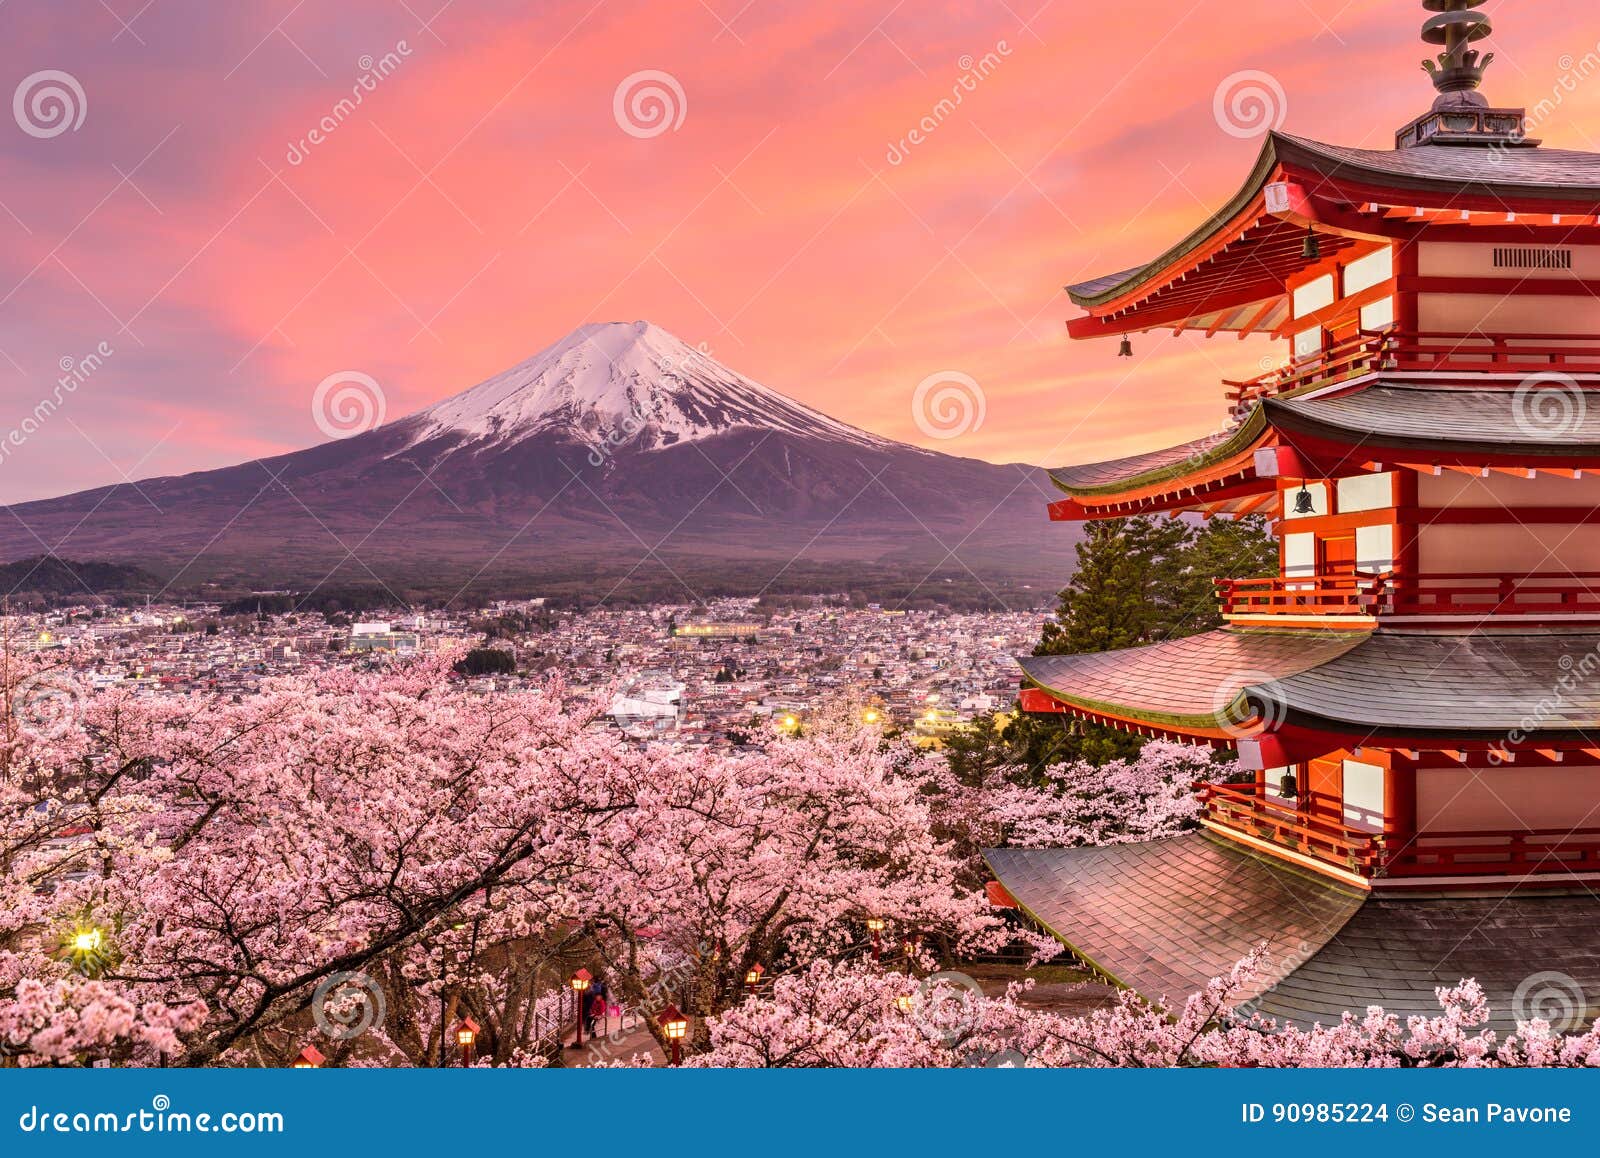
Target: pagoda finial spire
{"x": 1459, "y": 68}
{"x": 1460, "y": 114}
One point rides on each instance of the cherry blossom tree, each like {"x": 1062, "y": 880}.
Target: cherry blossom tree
{"x": 1066, "y": 805}
{"x": 850, "y": 1015}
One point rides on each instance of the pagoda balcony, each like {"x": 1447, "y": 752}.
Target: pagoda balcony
{"x": 1454, "y": 597}
{"x": 1311, "y": 831}
{"x": 1398, "y": 350}
{"x": 1249, "y": 811}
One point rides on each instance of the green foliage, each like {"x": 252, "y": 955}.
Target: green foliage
{"x": 486, "y": 661}
{"x": 1140, "y": 581}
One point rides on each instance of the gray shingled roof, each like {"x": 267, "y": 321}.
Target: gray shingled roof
{"x": 1464, "y": 683}
{"x": 1194, "y": 682}
{"x": 1387, "y": 682}
{"x": 1494, "y": 418}
{"x": 1394, "y": 953}
{"x": 1164, "y": 917}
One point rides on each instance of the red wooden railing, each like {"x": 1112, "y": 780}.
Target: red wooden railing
{"x": 1312, "y": 595}
{"x": 1464, "y": 594}
{"x": 1313, "y": 829}
{"x": 1528, "y": 852}
{"x": 1247, "y": 808}
{"x": 1422, "y": 350}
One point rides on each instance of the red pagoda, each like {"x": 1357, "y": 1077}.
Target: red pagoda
{"x": 1417, "y": 690}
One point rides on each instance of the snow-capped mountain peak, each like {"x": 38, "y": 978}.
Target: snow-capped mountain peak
{"x": 624, "y": 384}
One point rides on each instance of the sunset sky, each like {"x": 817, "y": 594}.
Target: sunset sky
{"x": 483, "y": 200}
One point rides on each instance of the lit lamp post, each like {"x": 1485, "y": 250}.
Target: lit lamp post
{"x": 675, "y": 1026}
{"x": 465, "y": 1037}
{"x": 875, "y": 927}
{"x": 580, "y": 986}
{"x": 870, "y": 716}
{"x": 309, "y": 1058}
{"x": 753, "y": 978}
{"x": 88, "y": 951}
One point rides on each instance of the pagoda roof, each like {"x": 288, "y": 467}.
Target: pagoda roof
{"x": 1487, "y": 420}
{"x": 1408, "y": 685}
{"x": 1463, "y": 684}
{"x": 1490, "y": 418}
{"x": 1196, "y": 685}
{"x": 1118, "y": 474}
{"x": 1164, "y": 917}
{"x": 1230, "y": 272}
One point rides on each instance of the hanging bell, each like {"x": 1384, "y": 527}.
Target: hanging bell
{"x": 1126, "y": 349}
{"x": 1304, "y": 504}
{"x": 1312, "y": 249}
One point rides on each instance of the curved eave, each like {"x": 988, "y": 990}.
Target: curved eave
{"x": 1202, "y": 686}
{"x": 1091, "y": 295}
{"x": 1232, "y": 455}
{"x": 1298, "y": 724}
{"x": 1211, "y": 727}
{"x": 1334, "y": 171}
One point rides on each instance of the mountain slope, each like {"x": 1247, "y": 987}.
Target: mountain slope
{"x": 620, "y": 451}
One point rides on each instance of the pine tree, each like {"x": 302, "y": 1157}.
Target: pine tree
{"x": 1139, "y": 581}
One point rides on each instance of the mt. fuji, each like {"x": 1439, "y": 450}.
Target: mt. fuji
{"x": 618, "y": 454}
{"x": 636, "y": 384}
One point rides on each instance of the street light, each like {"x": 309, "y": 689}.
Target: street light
{"x": 465, "y": 1037}
{"x": 753, "y": 977}
{"x": 309, "y": 1058}
{"x": 870, "y": 716}
{"x": 88, "y": 951}
{"x": 875, "y": 927}
{"x": 580, "y": 984}
{"x": 675, "y": 1026}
